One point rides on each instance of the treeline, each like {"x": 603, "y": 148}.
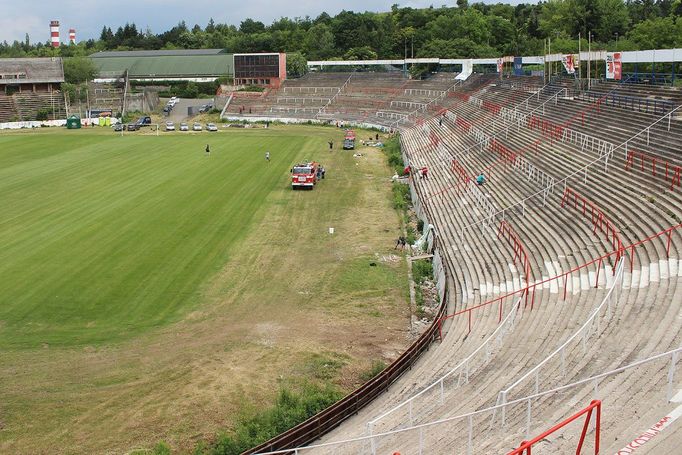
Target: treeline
{"x": 464, "y": 31}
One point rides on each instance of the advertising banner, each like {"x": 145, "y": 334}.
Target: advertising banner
{"x": 569, "y": 63}
{"x": 614, "y": 66}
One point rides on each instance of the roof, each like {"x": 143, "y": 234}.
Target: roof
{"x": 159, "y": 53}
{"x": 170, "y": 66}
{"x": 31, "y": 70}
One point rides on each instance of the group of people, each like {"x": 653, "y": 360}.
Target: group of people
{"x": 424, "y": 174}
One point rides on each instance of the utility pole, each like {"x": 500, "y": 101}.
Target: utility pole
{"x": 589, "y": 60}
{"x": 580, "y": 59}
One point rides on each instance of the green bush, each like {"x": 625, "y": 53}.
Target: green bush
{"x": 394, "y": 155}
{"x": 401, "y": 196}
{"x": 377, "y": 367}
{"x": 43, "y": 113}
{"x": 290, "y": 409}
{"x": 422, "y": 270}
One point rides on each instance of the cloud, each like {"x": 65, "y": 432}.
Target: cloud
{"x": 88, "y": 17}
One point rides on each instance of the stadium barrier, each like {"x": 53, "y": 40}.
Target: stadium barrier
{"x": 372, "y": 442}
{"x": 591, "y": 326}
{"x": 461, "y": 373}
{"x": 581, "y": 172}
{"x": 563, "y": 276}
{"x": 672, "y": 172}
{"x": 525, "y": 447}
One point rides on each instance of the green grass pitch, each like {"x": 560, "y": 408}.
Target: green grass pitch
{"x": 103, "y": 237}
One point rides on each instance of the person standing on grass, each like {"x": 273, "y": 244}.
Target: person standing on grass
{"x": 267, "y": 156}
{"x": 208, "y": 150}
{"x": 331, "y": 145}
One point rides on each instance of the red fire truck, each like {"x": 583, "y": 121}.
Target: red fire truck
{"x": 305, "y": 175}
{"x": 349, "y": 140}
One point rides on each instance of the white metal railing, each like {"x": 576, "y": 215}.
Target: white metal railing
{"x": 369, "y": 443}
{"x": 295, "y": 100}
{"x": 461, "y": 372}
{"x": 227, "y": 103}
{"x": 333, "y": 98}
{"x": 302, "y": 90}
{"x": 407, "y": 104}
{"x": 424, "y": 92}
{"x": 580, "y": 336}
{"x": 581, "y": 171}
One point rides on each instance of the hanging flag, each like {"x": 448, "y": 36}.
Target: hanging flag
{"x": 614, "y": 65}
{"x": 569, "y": 63}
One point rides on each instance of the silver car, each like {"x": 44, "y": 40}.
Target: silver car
{"x": 196, "y": 127}
{"x": 170, "y": 126}
{"x": 211, "y": 127}
{"x": 184, "y": 127}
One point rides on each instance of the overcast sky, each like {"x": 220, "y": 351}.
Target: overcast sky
{"x": 88, "y": 17}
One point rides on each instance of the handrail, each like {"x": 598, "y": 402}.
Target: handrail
{"x": 594, "y": 316}
{"x": 674, "y": 354}
{"x": 510, "y": 318}
{"x": 565, "y": 179}
{"x": 668, "y": 232}
{"x": 525, "y": 446}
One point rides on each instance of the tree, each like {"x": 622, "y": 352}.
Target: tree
{"x": 78, "y": 70}
{"x": 360, "y": 53}
{"x": 249, "y": 26}
{"x": 297, "y": 65}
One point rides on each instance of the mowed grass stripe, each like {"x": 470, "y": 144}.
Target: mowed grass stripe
{"x": 127, "y": 244}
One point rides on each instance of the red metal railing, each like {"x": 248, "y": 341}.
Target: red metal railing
{"x": 525, "y": 447}
{"x": 597, "y": 217}
{"x": 530, "y": 289}
{"x": 668, "y": 170}
{"x": 459, "y": 170}
{"x": 463, "y": 123}
{"x": 520, "y": 253}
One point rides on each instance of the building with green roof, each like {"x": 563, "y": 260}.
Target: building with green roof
{"x": 198, "y": 65}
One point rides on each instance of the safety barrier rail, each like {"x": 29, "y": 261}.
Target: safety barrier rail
{"x": 581, "y": 335}
{"x": 467, "y": 434}
{"x": 506, "y": 231}
{"x": 461, "y": 373}
{"x": 563, "y": 276}
{"x": 581, "y": 171}
{"x": 672, "y": 172}
{"x": 597, "y": 218}
{"x": 525, "y": 447}
{"x": 656, "y": 107}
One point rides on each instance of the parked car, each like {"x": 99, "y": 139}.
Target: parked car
{"x": 143, "y": 121}
{"x": 184, "y": 127}
{"x": 211, "y": 127}
{"x": 170, "y": 126}
{"x": 173, "y": 101}
{"x": 206, "y": 108}
{"x": 132, "y": 127}
{"x": 167, "y": 109}
{"x": 118, "y": 127}
{"x": 196, "y": 127}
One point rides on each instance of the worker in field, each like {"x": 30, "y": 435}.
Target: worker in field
{"x": 208, "y": 150}
{"x": 267, "y": 156}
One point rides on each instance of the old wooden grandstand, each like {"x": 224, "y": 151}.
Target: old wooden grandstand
{"x": 559, "y": 276}
{"x": 31, "y": 88}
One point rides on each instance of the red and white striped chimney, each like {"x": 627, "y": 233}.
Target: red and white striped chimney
{"x": 54, "y": 33}
{"x": 72, "y": 36}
